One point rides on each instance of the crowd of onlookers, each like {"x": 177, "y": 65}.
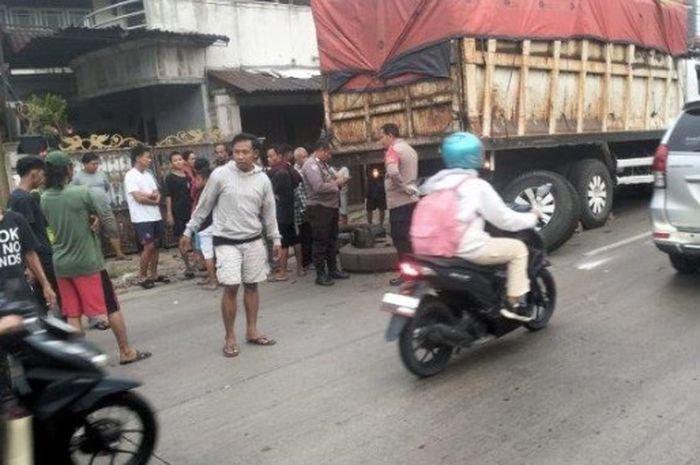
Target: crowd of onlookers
{"x": 239, "y": 216}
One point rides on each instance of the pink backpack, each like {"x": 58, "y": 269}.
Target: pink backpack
{"x": 434, "y": 228}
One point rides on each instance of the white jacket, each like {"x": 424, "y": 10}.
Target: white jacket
{"x": 478, "y": 203}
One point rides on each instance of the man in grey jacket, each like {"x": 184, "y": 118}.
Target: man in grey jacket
{"x": 241, "y": 198}
{"x": 322, "y": 202}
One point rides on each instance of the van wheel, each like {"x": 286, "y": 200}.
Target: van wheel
{"x": 594, "y": 186}
{"x": 684, "y": 264}
{"x": 561, "y": 206}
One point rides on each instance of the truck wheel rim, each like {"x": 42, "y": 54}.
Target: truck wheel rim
{"x": 597, "y": 195}
{"x": 547, "y": 204}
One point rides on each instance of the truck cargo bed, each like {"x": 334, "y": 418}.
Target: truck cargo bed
{"x": 521, "y": 94}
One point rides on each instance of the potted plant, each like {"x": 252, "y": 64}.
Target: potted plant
{"x": 46, "y": 117}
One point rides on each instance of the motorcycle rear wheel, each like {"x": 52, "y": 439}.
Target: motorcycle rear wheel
{"x": 100, "y": 436}
{"x": 545, "y": 300}
{"x": 419, "y": 356}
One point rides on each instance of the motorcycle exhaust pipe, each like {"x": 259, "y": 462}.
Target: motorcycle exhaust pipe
{"x": 441, "y": 333}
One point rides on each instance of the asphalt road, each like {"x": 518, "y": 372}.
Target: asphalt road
{"x": 612, "y": 380}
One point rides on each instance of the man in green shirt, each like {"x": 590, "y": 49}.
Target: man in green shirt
{"x": 83, "y": 283}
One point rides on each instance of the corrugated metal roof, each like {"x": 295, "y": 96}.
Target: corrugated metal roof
{"x": 250, "y": 83}
{"x": 55, "y": 48}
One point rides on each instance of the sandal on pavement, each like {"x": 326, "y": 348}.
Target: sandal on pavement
{"x": 101, "y": 325}
{"x": 262, "y": 341}
{"x": 146, "y": 284}
{"x": 189, "y": 275}
{"x": 139, "y": 357}
{"x": 230, "y": 352}
{"x": 277, "y": 279}
{"x": 161, "y": 278}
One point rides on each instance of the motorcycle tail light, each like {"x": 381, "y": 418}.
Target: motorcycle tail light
{"x": 409, "y": 270}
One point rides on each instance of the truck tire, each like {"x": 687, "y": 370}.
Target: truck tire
{"x": 561, "y": 205}
{"x": 594, "y": 186}
{"x": 378, "y": 230}
{"x": 379, "y": 259}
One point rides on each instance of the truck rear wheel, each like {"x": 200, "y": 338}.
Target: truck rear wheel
{"x": 594, "y": 186}
{"x": 561, "y": 206}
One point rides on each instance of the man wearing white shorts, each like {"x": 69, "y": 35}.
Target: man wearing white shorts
{"x": 243, "y": 204}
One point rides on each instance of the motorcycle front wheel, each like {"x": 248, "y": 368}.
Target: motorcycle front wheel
{"x": 543, "y": 298}
{"x": 119, "y": 430}
{"x": 420, "y": 356}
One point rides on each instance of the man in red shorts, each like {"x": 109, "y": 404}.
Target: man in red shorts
{"x": 83, "y": 282}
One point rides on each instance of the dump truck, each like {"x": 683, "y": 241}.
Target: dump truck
{"x": 576, "y": 94}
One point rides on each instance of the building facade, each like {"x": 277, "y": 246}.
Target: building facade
{"x": 151, "y": 68}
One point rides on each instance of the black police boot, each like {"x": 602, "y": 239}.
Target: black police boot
{"x": 334, "y": 273}
{"x": 322, "y": 278}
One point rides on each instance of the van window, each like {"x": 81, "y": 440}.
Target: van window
{"x": 686, "y": 134}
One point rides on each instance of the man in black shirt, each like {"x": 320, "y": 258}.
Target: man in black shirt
{"x": 178, "y": 202}
{"x": 284, "y": 180}
{"x": 17, "y": 249}
{"x": 32, "y": 175}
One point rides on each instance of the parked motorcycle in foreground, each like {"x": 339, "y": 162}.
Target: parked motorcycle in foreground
{"x": 446, "y": 304}
{"x": 81, "y": 415}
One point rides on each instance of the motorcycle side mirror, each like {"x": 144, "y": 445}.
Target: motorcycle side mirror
{"x": 544, "y": 190}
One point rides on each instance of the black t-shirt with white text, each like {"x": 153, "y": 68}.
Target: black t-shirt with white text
{"x": 16, "y": 239}
{"x": 27, "y": 205}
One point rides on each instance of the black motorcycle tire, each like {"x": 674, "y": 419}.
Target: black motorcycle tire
{"x": 430, "y": 311}
{"x": 544, "y": 279}
{"x": 129, "y": 400}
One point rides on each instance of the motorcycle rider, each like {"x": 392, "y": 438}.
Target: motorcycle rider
{"x": 463, "y": 155}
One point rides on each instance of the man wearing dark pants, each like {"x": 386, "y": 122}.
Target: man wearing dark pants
{"x": 401, "y": 163}
{"x": 322, "y": 204}
{"x": 143, "y": 198}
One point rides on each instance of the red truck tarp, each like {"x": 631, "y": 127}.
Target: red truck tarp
{"x": 375, "y": 43}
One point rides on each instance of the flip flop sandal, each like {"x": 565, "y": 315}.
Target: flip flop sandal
{"x": 275, "y": 279}
{"x": 147, "y": 284}
{"x": 140, "y": 356}
{"x": 262, "y": 341}
{"x": 189, "y": 275}
{"x": 162, "y": 279}
{"x": 230, "y": 352}
{"x": 101, "y": 325}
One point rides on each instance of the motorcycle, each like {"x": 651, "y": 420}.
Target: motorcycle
{"x": 448, "y": 304}
{"x": 80, "y": 414}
